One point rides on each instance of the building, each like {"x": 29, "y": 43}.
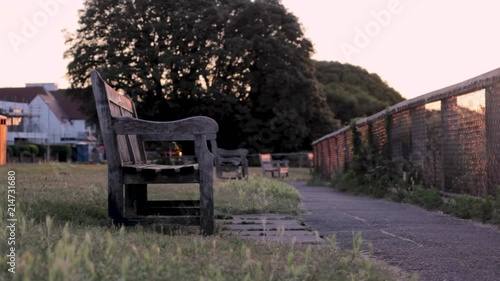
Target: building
{"x": 38, "y": 115}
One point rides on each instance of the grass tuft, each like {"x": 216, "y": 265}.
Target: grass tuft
{"x": 257, "y": 195}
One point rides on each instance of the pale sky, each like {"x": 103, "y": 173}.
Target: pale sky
{"x": 415, "y": 46}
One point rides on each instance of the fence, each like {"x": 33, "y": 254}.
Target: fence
{"x": 449, "y": 138}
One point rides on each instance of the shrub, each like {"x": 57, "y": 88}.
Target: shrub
{"x": 14, "y": 150}
{"x": 30, "y": 149}
{"x": 33, "y": 149}
{"x": 427, "y": 198}
{"x": 42, "y": 149}
{"x": 64, "y": 151}
{"x": 467, "y": 207}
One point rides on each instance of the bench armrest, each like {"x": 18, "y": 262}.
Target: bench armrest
{"x": 198, "y": 125}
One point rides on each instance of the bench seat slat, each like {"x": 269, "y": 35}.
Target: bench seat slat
{"x": 173, "y": 203}
{"x": 148, "y": 220}
{"x": 163, "y": 169}
{"x": 171, "y": 211}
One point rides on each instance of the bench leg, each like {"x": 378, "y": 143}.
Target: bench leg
{"x": 205, "y": 160}
{"x": 115, "y": 201}
{"x": 136, "y": 197}
{"x": 206, "y": 203}
{"x": 245, "y": 170}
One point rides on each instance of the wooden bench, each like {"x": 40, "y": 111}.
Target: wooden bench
{"x": 129, "y": 172}
{"x": 232, "y": 161}
{"x": 272, "y": 166}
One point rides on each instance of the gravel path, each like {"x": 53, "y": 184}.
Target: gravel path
{"x": 433, "y": 245}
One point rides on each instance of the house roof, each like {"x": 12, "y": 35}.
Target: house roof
{"x": 59, "y": 102}
{"x": 21, "y": 95}
{"x": 70, "y": 108}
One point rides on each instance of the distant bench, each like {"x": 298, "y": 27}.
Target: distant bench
{"x": 129, "y": 171}
{"x": 232, "y": 161}
{"x": 273, "y": 166}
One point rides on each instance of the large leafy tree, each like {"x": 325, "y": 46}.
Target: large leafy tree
{"x": 244, "y": 63}
{"x": 352, "y": 91}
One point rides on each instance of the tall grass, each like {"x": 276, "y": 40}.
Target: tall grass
{"x": 257, "y": 195}
{"x": 50, "y": 251}
{"x": 63, "y": 234}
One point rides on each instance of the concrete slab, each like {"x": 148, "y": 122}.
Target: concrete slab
{"x": 285, "y": 239}
{"x": 270, "y": 228}
{"x": 281, "y": 226}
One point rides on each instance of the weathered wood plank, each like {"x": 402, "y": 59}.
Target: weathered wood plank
{"x": 173, "y": 203}
{"x": 177, "y": 137}
{"x": 160, "y": 178}
{"x": 170, "y": 211}
{"x": 115, "y": 176}
{"x": 136, "y": 197}
{"x": 205, "y": 159}
{"x": 192, "y": 125}
{"x": 148, "y": 220}
{"x": 183, "y": 169}
{"x": 119, "y": 100}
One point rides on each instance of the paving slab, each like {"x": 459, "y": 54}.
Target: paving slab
{"x": 271, "y": 228}
{"x": 283, "y": 225}
{"x": 311, "y": 240}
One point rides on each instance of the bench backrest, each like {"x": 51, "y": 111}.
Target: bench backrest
{"x": 241, "y": 152}
{"x": 265, "y": 161}
{"x": 111, "y": 104}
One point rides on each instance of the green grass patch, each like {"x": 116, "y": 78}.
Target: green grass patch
{"x": 50, "y": 251}
{"x": 257, "y": 195}
{"x": 63, "y": 234}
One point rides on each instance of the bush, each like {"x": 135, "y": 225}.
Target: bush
{"x": 349, "y": 181}
{"x": 30, "y": 149}
{"x": 15, "y": 150}
{"x": 64, "y": 151}
{"x": 42, "y": 149}
{"x": 427, "y": 198}
{"x": 495, "y": 215}
{"x": 468, "y": 207}
{"x": 33, "y": 149}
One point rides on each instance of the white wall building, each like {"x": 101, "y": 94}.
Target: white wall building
{"x": 39, "y": 116}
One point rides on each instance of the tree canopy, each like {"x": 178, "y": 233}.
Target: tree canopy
{"x": 244, "y": 63}
{"x": 353, "y": 92}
